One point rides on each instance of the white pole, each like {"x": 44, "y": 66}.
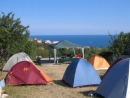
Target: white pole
{"x": 83, "y": 52}
{"x": 54, "y": 56}
{"x": 74, "y": 52}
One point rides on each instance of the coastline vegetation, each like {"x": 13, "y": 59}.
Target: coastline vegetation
{"x": 14, "y": 38}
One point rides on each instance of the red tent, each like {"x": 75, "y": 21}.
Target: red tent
{"x": 26, "y": 72}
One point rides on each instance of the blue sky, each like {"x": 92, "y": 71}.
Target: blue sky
{"x": 71, "y": 17}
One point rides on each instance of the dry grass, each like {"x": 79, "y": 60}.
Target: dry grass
{"x": 56, "y": 89}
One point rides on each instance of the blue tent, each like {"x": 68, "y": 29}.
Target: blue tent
{"x": 2, "y": 83}
{"x": 116, "y": 82}
{"x": 81, "y": 73}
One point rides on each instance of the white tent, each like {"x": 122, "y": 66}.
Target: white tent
{"x": 116, "y": 83}
{"x": 15, "y": 59}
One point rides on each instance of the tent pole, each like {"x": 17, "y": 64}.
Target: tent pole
{"x": 83, "y": 52}
{"x": 74, "y": 52}
{"x": 54, "y": 56}
{"x": 49, "y": 53}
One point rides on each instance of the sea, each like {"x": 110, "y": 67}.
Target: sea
{"x": 96, "y": 41}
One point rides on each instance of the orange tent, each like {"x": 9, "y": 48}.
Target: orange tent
{"x": 98, "y": 62}
{"x": 26, "y": 72}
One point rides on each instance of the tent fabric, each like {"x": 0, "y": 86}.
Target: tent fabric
{"x": 2, "y": 83}
{"x": 116, "y": 61}
{"x": 65, "y": 44}
{"x": 81, "y": 73}
{"x": 116, "y": 83}
{"x": 15, "y": 59}
{"x": 98, "y": 62}
{"x": 26, "y": 72}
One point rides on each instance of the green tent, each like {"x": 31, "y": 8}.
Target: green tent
{"x": 65, "y": 44}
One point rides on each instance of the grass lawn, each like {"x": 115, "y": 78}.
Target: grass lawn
{"x": 56, "y": 89}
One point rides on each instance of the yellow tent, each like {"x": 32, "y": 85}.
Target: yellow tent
{"x": 98, "y": 62}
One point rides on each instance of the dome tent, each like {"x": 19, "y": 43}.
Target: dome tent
{"x": 116, "y": 83}
{"x": 98, "y": 62}
{"x": 15, "y": 59}
{"x": 26, "y": 72}
{"x": 81, "y": 73}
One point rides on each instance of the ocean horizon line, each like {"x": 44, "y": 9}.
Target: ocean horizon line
{"x": 85, "y": 40}
{"x": 65, "y": 34}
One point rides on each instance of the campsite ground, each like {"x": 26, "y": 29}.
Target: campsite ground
{"x": 56, "y": 89}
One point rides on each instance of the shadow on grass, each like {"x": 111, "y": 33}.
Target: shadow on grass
{"x": 91, "y": 94}
{"x": 47, "y": 61}
{"x": 26, "y": 85}
{"x": 61, "y": 83}
{"x": 101, "y": 76}
{"x": 88, "y": 93}
{"x": 42, "y": 61}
